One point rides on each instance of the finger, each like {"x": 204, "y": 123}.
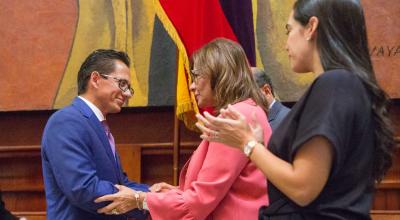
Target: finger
{"x": 203, "y": 120}
{"x": 108, "y": 209}
{"x": 205, "y": 137}
{"x": 222, "y": 113}
{"x": 218, "y": 122}
{"x": 227, "y": 114}
{"x": 119, "y": 187}
{"x": 203, "y": 129}
{"x": 104, "y": 198}
{"x": 254, "y": 123}
{"x": 210, "y": 119}
{"x": 207, "y": 134}
{"x": 155, "y": 188}
{"x": 167, "y": 186}
{"x": 121, "y": 209}
{"x": 256, "y": 128}
{"x": 233, "y": 113}
{"x": 210, "y": 138}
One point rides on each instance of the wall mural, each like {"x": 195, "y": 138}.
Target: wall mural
{"x": 43, "y": 43}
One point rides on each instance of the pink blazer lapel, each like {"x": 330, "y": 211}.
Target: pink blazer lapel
{"x": 193, "y": 165}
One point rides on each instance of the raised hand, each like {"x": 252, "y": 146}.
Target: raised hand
{"x": 230, "y": 128}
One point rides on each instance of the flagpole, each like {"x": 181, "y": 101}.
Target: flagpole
{"x": 176, "y": 142}
{"x": 176, "y": 150}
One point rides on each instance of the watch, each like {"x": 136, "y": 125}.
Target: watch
{"x": 248, "y": 148}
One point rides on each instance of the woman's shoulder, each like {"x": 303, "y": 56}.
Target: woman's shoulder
{"x": 246, "y": 106}
{"x": 338, "y": 79}
{"x": 337, "y": 76}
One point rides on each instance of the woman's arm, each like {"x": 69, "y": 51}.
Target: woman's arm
{"x": 301, "y": 181}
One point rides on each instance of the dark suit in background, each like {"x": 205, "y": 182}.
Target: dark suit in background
{"x": 276, "y": 114}
{"x": 277, "y": 111}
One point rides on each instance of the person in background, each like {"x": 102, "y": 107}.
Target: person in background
{"x": 79, "y": 159}
{"x": 276, "y": 111}
{"x": 218, "y": 182}
{"x": 4, "y": 213}
{"x": 324, "y": 159}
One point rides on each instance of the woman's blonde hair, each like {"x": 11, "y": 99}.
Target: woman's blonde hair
{"x": 225, "y": 63}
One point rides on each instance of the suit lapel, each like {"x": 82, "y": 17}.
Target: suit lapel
{"x": 99, "y": 130}
{"x": 273, "y": 111}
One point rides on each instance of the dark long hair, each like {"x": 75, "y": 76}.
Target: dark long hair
{"x": 342, "y": 43}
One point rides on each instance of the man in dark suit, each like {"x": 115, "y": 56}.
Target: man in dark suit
{"x": 79, "y": 159}
{"x": 277, "y": 111}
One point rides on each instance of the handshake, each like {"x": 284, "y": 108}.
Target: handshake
{"x": 127, "y": 199}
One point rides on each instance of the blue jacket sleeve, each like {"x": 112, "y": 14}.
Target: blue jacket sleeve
{"x": 134, "y": 185}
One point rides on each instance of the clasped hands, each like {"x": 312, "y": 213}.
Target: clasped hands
{"x": 124, "y": 200}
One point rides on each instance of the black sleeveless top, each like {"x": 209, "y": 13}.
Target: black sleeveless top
{"x": 338, "y": 107}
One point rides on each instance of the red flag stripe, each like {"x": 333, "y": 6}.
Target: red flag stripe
{"x": 197, "y": 22}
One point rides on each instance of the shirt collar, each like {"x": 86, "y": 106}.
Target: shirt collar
{"x": 272, "y": 103}
{"x": 95, "y": 110}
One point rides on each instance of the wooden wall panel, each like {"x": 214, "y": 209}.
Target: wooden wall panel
{"x": 26, "y": 201}
{"x": 385, "y": 215}
{"x": 157, "y": 164}
{"x": 131, "y": 160}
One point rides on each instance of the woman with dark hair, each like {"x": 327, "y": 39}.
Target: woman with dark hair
{"x": 218, "y": 182}
{"x": 324, "y": 158}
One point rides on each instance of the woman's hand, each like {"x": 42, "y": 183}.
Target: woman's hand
{"x": 161, "y": 187}
{"x": 230, "y": 128}
{"x": 121, "y": 202}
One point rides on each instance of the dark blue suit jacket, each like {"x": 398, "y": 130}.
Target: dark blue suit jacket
{"x": 78, "y": 165}
{"x": 276, "y": 114}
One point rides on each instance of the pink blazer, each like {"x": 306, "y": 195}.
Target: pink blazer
{"x": 218, "y": 182}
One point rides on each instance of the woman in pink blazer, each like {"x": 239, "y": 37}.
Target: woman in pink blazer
{"x": 218, "y": 182}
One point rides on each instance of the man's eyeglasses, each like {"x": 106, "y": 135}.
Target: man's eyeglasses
{"x": 123, "y": 84}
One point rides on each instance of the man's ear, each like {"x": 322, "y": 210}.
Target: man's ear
{"x": 311, "y": 29}
{"x": 266, "y": 89}
{"x": 94, "y": 79}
